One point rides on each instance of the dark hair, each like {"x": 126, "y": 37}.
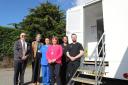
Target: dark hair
{"x": 56, "y": 38}
{"x": 47, "y": 38}
{"x": 73, "y": 34}
{"x": 66, "y": 37}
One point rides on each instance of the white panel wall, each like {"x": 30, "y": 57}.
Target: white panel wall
{"x": 116, "y": 28}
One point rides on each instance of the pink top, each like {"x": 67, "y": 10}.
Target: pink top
{"x": 54, "y": 52}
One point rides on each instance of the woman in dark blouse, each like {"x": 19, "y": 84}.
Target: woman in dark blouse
{"x": 64, "y": 60}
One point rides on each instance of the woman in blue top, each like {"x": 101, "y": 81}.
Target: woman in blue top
{"x": 44, "y": 63}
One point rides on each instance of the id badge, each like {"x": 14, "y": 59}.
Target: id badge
{"x": 38, "y": 51}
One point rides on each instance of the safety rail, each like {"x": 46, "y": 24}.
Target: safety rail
{"x": 99, "y": 66}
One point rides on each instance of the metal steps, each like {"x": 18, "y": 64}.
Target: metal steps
{"x": 93, "y": 63}
{"x": 90, "y": 72}
{"x": 84, "y": 80}
{"x": 85, "y": 70}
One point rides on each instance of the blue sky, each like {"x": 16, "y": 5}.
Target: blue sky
{"x": 13, "y": 11}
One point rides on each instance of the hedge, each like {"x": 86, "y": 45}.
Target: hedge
{"x": 7, "y": 38}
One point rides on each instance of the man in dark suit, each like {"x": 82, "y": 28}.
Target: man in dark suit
{"x": 21, "y": 52}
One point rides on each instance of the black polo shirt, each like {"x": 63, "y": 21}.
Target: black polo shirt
{"x": 74, "y": 49}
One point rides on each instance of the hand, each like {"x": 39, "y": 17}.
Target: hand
{"x": 49, "y": 61}
{"x": 53, "y": 60}
{"x": 24, "y": 57}
{"x": 72, "y": 58}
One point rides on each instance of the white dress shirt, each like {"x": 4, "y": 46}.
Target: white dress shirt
{"x": 25, "y": 45}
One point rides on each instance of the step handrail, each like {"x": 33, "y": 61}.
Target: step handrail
{"x": 97, "y": 46}
{"x": 96, "y": 55}
{"x": 99, "y": 69}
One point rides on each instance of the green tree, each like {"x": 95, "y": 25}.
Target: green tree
{"x": 7, "y": 38}
{"x": 46, "y": 19}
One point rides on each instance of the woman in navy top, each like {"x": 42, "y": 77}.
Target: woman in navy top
{"x": 44, "y": 63}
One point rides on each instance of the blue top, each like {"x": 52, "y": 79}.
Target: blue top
{"x": 43, "y": 50}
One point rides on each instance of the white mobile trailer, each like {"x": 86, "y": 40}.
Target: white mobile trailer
{"x": 93, "y": 18}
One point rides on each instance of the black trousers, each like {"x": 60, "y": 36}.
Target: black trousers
{"x": 36, "y": 68}
{"x": 19, "y": 70}
{"x": 63, "y": 72}
{"x": 55, "y": 73}
{"x": 71, "y": 69}
{"x": 33, "y": 63}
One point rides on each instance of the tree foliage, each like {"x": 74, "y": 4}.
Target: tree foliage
{"x": 7, "y": 38}
{"x": 46, "y": 19}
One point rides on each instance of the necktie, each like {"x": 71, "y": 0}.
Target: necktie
{"x": 23, "y": 48}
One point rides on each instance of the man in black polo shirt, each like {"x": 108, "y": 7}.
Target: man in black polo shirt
{"x": 74, "y": 52}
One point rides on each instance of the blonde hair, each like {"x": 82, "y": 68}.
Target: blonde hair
{"x": 38, "y": 35}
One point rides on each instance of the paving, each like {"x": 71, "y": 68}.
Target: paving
{"x": 6, "y": 76}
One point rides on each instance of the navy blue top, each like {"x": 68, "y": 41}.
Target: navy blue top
{"x": 43, "y": 50}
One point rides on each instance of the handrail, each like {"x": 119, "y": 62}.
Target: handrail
{"x": 101, "y": 66}
{"x": 97, "y": 45}
{"x": 101, "y": 49}
{"x": 96, "y": 54}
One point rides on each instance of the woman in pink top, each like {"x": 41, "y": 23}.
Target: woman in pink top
{"x": 54, "y": 55}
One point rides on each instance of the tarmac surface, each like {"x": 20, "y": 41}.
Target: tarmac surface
{"x": 6, "y": 76}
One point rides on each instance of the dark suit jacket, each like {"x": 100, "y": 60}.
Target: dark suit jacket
{"x": 18, "y": 52}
